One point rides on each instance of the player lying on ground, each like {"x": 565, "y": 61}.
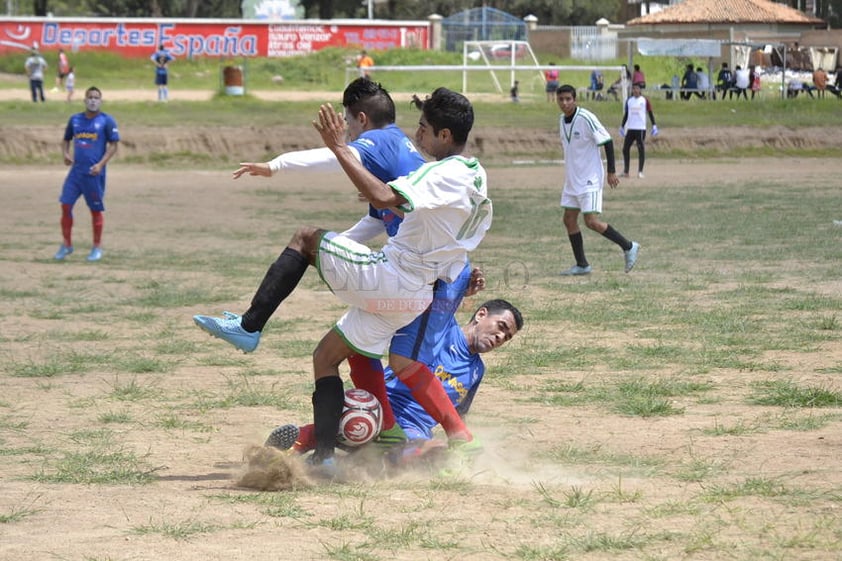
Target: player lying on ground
{"x": 452, "y": 352}
{"x": 447, "y": 215}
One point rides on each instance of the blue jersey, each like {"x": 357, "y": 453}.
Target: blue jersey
{"x": 436, "y": 339}
{"x": 161, "y": 59}
{"x": 388, "y": 154}
{"x": 90, "y": 139}
{"x": 459, "y": 371}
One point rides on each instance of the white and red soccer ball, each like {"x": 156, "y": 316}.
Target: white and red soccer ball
{"x": 361, "y": 420}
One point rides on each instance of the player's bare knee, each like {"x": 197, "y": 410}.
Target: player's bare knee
{"x": 593, "y": 222}
{"x": 306, "y": 240}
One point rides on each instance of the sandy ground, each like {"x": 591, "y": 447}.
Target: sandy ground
{"x": 194, "y": 511}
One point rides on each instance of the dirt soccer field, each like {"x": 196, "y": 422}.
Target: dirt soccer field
{"x": 688, "y": 410}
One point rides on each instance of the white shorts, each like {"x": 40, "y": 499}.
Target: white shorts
{"x": 382, "y": 299}
{"x": 589, "y": 202}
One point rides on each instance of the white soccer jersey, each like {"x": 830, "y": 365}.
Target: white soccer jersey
{"x": 581, "y": 139}
{"x": 637, "y": 108}
{"x": 446, "y": 215}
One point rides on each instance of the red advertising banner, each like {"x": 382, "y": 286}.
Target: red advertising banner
{"x": 208, "y": 38}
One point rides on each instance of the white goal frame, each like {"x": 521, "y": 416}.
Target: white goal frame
{"x": 484, "y": 47}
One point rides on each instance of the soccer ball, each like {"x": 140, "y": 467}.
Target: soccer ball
{"x": 361, "y": 420}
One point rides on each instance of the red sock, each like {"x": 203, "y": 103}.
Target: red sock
{"x": 367, "y": 374}
{"x": 98, "y": 220}
{"x": 306, "y": 439}
{"x": 428, "y": 391}
{"x": 66, "y": 224}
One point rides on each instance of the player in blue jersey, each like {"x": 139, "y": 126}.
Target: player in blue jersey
{"x": 452, "y": 352}
{"x": 375, "y": 139}
{"x": 94, "y": 137}
{"x": 162, "y": 58}
{"x": 388, "y": 153}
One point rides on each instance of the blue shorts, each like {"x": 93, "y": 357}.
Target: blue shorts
{"x": 160, "y": 78}
{"x": 78, "y": 184}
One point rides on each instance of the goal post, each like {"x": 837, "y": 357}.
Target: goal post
{"x": 496, "y": 53}
{"x": 515, "y": 56}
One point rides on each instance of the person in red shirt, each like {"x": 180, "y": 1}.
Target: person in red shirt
{"x": 551, "y": 79}
{"x": 63, "y": 69}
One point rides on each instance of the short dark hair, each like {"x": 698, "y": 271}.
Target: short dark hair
{"x": 446, "y": 109}
{"x": 365, "y": 96}
{"x": 93, "y": 89}
{"x": 566, "y": 88}
{"x": 497, "y": 307}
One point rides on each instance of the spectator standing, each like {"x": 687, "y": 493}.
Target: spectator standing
{"x": 364, "y": 63}
{"x": 820, "y": 81}
{"x": 514, "y": 93}
{"x": 638, "y": 77}
{"x": 725, "y": 81}
{"x": 35, "y": 66}
{"x": 741, "y": 81}
{"x": 162, "y": 58}
{"x": 70, "y": 83}
{"x": 633, "y": 128}
{"x": 61, "y": 70}
{"x": 551, "y": 82}
{"x": 754, "y": 81}
{"x": 93, "y": 135}
{"x": 597, "y": 83}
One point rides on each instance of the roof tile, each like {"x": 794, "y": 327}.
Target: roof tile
{"x": 726, "y": 11}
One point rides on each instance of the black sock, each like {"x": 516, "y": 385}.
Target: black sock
{"x": 578, "y": 249}
{"x": 280, "y": 280}
{"x": 328, "y": 402}
{"x": 617, "y": 238}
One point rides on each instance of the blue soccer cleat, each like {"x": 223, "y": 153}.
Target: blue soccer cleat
{"x": 576, "y": 271}
{"x": 229, "y": 328}
{"x": 63, "y": 251}
{"x": 95, "y": 254}
{"x": 325, "y": 469}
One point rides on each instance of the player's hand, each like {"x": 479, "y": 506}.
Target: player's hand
{"x": 68, "y": 160}
{"x": 613, "y": 180}
{"x": 622, "y": 132}
{"x": 95, "y": 169}
{"x": 331, "y": 127}
{"x": 253, "y": 169}
{"x": 654, "y": 130}
{"x": 477, "y": 282}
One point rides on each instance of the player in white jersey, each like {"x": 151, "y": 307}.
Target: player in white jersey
{"x": 446, "y": 214}
{"x": 581, "y": 136}
{"x": 633, "y": 128}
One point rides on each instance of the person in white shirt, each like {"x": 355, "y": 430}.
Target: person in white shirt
{"x": 741, "y": 82}
{"x": 70, "y": 83}
{"x": 633, "y": 128}
{"x": 35, "y": 66}
{"x": 702, "y": 82}
{"x": 581, "y": 136}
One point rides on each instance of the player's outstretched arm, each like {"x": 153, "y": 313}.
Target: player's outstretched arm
{"x": 313, "y": 160}
{"x": 253, "y": 168}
